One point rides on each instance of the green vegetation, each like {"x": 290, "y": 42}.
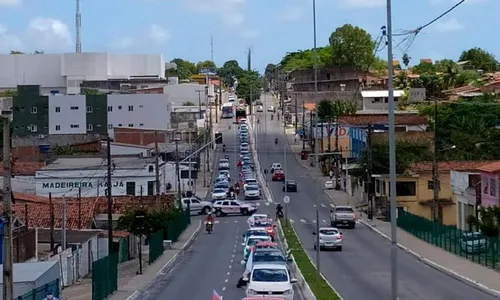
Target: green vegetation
{"x": 249, "y": 85}
{"x": 321, "y": 289}
{"x": 154, "y": 220}
{"x": 229, "y": 71}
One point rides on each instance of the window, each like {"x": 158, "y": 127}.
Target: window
{"x": 58, "y": 109}
{"x": 151, "y": 169}
{"x": 119, "y": 107}
{"x": 58, "y": 127}
{"x": 376, "y": 100}
{"x": 140, "y": 125}
{"x": 110, "y": 126}
{"x": 406, "y": 188}
{"x": 430, "y": 184}
{"x": 75, "y": 126}
{"x": 486, "y": 186}
{"x": 130, "y": 188}
{"x": 33, "y": 128}
{"x": 141, "y": 106}
{"x": 110, "y": 108}
{"x": 119, "y": 125}
{"x": 74, "y": 107}
{"x": 493, "y": 187}
{"x": 34, "y": 110}
{"x": 90, "y": 109}
{"x": 90, "y": 127}
{"x": 130, "y": 125}
{"x": 130, "y": 108}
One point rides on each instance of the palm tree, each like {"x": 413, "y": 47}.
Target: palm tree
{"x": 449, "y": 75}
{"x": 401, "y": 80}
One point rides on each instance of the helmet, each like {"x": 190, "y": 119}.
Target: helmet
{"x": 210, "y": 214}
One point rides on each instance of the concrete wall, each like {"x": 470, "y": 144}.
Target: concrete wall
{"x": 180, "y": 93}
{"x": 147, "y": 111}
{"x": 55, "y": 140}
{"x": 67, "y": 114}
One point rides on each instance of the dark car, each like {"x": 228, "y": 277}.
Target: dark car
{"x": 290, "y": 186}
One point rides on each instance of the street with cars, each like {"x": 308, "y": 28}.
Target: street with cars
{"x": 362, "y": 269}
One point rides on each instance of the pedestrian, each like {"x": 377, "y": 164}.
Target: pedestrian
{"x": 50, "y": 296}
{"x": 331, "y": 174}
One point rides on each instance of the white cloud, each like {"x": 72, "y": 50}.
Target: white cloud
{"x": 10, "y": 2}
{"x": 449, "y": 25}
{"x": 250, "y": 34}
{"x": 49, "y": 34}
{"x": 291, "y": 13}
{"x": 159, "y": 34}
{"x": 8, "y": 41}
{"x": 363, "y": 3}
{"x": 229, "y": 11}
{"x": 122, "y": 43}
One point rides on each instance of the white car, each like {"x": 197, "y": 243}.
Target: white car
{"x": 329, "y": 185}
{"x": 219, "y": 194}
{"x": 196, "y": 205}
{"x": 233, "y": 207}
{"x": 270, "y": 279}
{"x": 244, "y": 147}
{"x": 226, "y": 174}
{"x": 270, "y": 108}
{"x": 223, "y": 164}
{"x": 276, "y": 166}
{"x": 252, "y": 241}
{"x": 257, "y": 217}
{"x": 260, "y": 108}
{"x": 329, "y": 238}
{"x": 252, "y": 192}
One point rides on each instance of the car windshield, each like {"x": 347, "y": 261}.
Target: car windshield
{"x": 252, "y": 188}
{"x": 344, "y": 210}
{"x": 253, "y": 241}
{"x": 328, "y": 231}
{"x": 473, "y": 237}
{"x": 270, "y": 275}
{"x": 256, "y": 233}
{"x": 269, "y": 256}
{"x": 218, "y": 191}
{"x": 222, "y": 185}
{"x": 223, "y": 161}
{"x": 262, "y": 223}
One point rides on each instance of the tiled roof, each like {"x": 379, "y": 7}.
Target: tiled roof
{"x": 116, "y": 233}
{"x": 31, "y": 198}
{"x": 122, "y": 204}
{"x": 39, "y": 214}
{"x": 462, "y": 89}
{"x": 491, "y": 167}
{"x": 24, "y": 168}
{"x": 374, "y": 119}
{"x": 449, "y": 166}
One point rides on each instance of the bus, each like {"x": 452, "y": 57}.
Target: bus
{"x": 241, "y": 112}
{"x": 227, "y": 110}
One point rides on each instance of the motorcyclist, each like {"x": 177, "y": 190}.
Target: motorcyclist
{"x": 50, "y": 296}
{"x": 223, "y": 147}
{"x": 272, "y": 117}
{"x": 210, "y": 218}
{"x": 276, "y": 140}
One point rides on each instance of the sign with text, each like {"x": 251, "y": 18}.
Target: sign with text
{"x": 342, "y": 131}
{"x": 80, "y": 184}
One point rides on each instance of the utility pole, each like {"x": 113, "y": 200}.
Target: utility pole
{"x": 178, "y": 171}
{"x": 79, "y": 208}
{"x": 303, "y": 126}
{"x": 369, "y": 186}
{"x": 296, "y": 114}
{"x": 157, "y": 173}
{"x": 337, "y": 154}
{"x": 249, "y": 59}
{"x": 199, "y": 103}
{"x": 190, "y": 166}
{"x": 8, "y": 272}
{"x": 110, "y": 199}
{"x": 436, "y": 185}
{"x": 63, "y": 225}
{"x": 51, "y": 213}
{"x": 250, "y": 103}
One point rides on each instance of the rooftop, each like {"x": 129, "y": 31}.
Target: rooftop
{"x": 491, "y": 167}
{"x": 381, "y": 94}
{"x": 72, "y": 236}
{"x": 450, "y": 166}
{"x": 93, "y": 163}
{"x": 29, "y": 272}
{"x": 24, "y": 168}
{"x": 381, "y": 119}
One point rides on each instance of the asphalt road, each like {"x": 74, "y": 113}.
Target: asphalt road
{"x": 362, "y": 270}
{"x": 213, "y": 261}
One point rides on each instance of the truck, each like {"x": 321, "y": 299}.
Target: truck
{"x": 343, "y": 215}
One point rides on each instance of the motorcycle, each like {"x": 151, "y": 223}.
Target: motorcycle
{"x": 209, "y": 227}
{"x": 224, "y": 149}
{"x": 279, "y": 214}
{"x": 276, "y": 141}
{"x": 272, "y": 117}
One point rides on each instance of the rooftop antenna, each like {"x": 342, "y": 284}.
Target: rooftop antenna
{"x": 78, "y": 23}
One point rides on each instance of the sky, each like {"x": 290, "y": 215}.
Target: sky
{"x": 270, "y": 28}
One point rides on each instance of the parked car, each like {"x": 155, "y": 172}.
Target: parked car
{"x": 278, "y": 175}
{"x": 329, "y": 185}
{"x": 233, "y": 207}
{"x": 223, "y": 164}
{"x": 473, "y": 242}
{"x": 329, "y": 238}
{"x": 252, "y": 192}
{"x": 290, "y": 186}
{"x": 343, "y": 215}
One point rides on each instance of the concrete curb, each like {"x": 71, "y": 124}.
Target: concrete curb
{"x": 169, "y": 265}
{"x": 436, "y": 266}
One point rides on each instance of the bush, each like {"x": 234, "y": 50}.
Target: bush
{"x": 321, "y": 289}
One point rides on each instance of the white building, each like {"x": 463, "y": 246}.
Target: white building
{"x": 129, "y": 149}
{"x": 188, "y": 92}
{"x": 464, "y": 186}
{"x": 379, "y": 100}
{"x": 145, "y": 111}
{"x": 63, "y": 73}
{"x": 131, "y": 175}
{"x": 67, "y": 114}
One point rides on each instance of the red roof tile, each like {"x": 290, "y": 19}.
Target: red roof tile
{"x": 31, "y": 198}
{"x": 492, "y": 167}
{"x": 374, "y": 119}
{"x": 449, "y": 166}
{"x": 24, "y": 168}
{"x": 123, "y": 203}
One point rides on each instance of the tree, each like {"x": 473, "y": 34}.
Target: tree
{"x": 91, "y": 92}
{"x": 13, "y": 52}
{"x": 249, "y": 85}
{"x": 8, "y": 93}
{"x": 424, "y": 68}
{"x": 489, "y": 222}
{"x": 329, "y": 111}
{"x": 188, "y": 103}
{"x": 379, "y": 66}
{"x": 229, "y": 71}
{"x": 154, "y": 220}
{"x": 406, "y": 60}
{"x": 304, "y": 59}
{"x": 185, "y": 69}
{"x": 352, "y": 46}
{"x": 207, "y": 64}
{"x": 480, "y": 59}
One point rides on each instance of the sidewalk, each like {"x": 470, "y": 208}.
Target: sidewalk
{"x": 471, "y": 273}
{"x": 128, "y": 280}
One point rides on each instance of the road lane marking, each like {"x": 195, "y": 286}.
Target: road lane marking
{"x": 302, "y": 220}
{"x": 314, "y": 221}
{"x": 226, "y": 280}
{"x": 322, "y": 205}
{"x": 315, "y": 205}
{"x": 323, "y": 221}
{"x": 291, "y": 221}
{"x": 332, "y": 205}
{"x": 267, "y": 203}
{"x": 230, "y": 266}
{"x": 235, "y": 221}
{"x": 228, "y": 273}
{"x": 223, "y": 289}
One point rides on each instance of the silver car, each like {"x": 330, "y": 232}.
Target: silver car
{"x": 329, "y": 238}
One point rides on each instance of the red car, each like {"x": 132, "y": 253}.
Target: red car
{"x": 278, "y": 175}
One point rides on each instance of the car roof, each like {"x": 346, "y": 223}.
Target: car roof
{"x": 267, "y": 243}
{"x": 258, "y": 237}
{"x": 260, "y": 215}
{"x": 258, "y": 229}
{"x": 329, "y": 228}
{"x": 270, "y": 266}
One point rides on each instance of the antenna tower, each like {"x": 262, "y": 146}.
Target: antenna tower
{"x": 78, "y": 23}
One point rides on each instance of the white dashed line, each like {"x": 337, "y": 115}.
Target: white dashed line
{"x": 332, "y": 205}
{"x": 226, "y": 280}
{"x": 235, "y": 221}
{"x": 223, "y": 289}
{"x": 322, "y": 205}
{"x": 291, "y": 221}
{"x": 315, "y": 205}
{"x": 314, "y": 221}
{"x": 228, "y": 273}
{"x": 323, "y": 221}
{"x": 302, "y": 220}
{"x": 267, "y": 203}
{"x": 230, "y": 266}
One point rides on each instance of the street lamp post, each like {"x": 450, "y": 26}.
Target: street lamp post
{"x": 177, "y": 169}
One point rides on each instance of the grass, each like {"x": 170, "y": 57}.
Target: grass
{"x": 320, "y": 288}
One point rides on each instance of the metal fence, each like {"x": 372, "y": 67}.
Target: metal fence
{"x": 474, "y": 246}
{"x": 171, "y": 232}
{"x": 41, "y": 292}
{"x": 104, "y": 276}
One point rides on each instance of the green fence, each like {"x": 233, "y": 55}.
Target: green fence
{"x": 473, "y": 246}
{"x": 41, "y": 292}
{"x": 104, "y": 276}
{"x": 172, "y": 232}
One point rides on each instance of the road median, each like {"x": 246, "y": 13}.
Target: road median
{"x": 321, "y": 289}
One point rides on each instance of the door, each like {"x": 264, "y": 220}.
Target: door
{"x": 151, "y": 188}
{"x": 226, "y": 208}
{"x": 130, "y": 188}
{"x": 235, "y": 207}
{"x": 185, "y": 203}
{"x": 195, "y": 205}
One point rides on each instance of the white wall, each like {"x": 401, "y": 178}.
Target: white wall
{"x": 120, "y": 65}
{"x": 44, "y": 70}
{"x": 149, "y": 111}
{"x": 92, "y": 181}
{"x": 117, "y": 149}
{"x": 66, "y": 117}
{"x": 184, "y": 92}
